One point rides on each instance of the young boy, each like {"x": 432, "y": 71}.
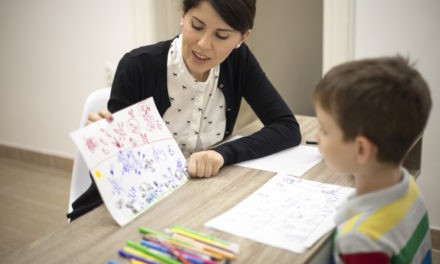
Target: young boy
{"x": 371, "y": 112}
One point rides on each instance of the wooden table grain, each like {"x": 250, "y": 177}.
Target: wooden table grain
{"x": 96, "y": 238}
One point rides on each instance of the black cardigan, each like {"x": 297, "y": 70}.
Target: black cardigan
{"x": 142, "y": 73}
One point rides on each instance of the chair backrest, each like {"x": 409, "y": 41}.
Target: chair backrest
{"x": 96, "y": 101}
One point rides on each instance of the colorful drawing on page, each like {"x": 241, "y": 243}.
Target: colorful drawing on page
{"x": 134, "y": 160}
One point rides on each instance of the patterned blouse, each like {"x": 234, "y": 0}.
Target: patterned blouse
{"x": 196, "y": 117}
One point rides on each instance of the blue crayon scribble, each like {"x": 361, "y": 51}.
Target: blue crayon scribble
{"x": 171, "y": 150}
{"x": 159, "y": 154}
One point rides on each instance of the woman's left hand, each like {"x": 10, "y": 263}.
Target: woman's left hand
{"x": 205, "y": 163}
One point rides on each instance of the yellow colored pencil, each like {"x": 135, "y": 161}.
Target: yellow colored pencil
{"x": 227, "y": 254}
{"x": 184, "y": 245}
{"x": 206, "y": 239}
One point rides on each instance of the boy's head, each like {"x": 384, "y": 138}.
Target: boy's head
{"x": 383, "y": 100}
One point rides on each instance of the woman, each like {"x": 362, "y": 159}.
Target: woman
{"x": 197, "y": 81}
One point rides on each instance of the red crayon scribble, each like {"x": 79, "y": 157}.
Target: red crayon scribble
{"x": 103, "y": 141}
{"x": 145, "y": 138}
{"x": 118, "y": 144}
{"x": 133, "y": 126}
{"x": 91, "y": 144}
{"x": 133, "y": 142}
{"x": 105, "y": 132}
{"x": 159, "y": 124}
{"x": 145, "y": 110}
{"x": 120, "y": 129}
{"x": 105, "y": 151}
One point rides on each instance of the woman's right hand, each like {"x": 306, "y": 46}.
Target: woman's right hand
{"x": 103, "y": 113}
{"x": 205, "y": 163}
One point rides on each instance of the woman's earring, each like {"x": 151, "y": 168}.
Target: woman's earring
{"x": 181, "y": 23}
{"x": 238, "y": 46}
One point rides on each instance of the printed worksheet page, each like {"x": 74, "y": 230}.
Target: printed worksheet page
{"x": 294, "y": 161}
{"x": 286, "y": 212}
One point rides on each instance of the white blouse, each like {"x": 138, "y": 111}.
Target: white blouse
{"x": 196, "y": 117}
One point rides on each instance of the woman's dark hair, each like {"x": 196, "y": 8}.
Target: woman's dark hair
{"x": 238, "y": 14}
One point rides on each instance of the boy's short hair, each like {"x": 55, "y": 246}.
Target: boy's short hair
{"x": 384, "y": 99}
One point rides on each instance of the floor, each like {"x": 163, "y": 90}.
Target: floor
{"x": 34, "y": 203}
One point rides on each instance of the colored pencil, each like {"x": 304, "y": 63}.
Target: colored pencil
{"x": 207, "y": 247}
{"x": 184, "y": 246}
{"x": 206, "y": 238}
{"x": 157, "y": 255}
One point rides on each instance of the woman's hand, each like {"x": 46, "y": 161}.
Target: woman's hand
{"x": 205, "y": 163}
{"x": 104, "y": 113}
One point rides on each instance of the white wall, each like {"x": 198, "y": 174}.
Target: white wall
{"x": 287, "y": 41}
{"x": 156, "y": 20}
{"x": 338, "y": 35}
{"x": 53, "y": 54}
{"x": 411, "y": 28}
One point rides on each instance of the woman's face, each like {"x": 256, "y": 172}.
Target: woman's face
{"x": 207, "y": 40}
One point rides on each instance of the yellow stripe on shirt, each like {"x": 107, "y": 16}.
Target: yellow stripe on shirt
{"x": 349, "y": 225}
{"x": 388, "y": 216}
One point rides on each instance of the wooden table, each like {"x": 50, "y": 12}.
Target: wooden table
{"x": 96, "y": 238}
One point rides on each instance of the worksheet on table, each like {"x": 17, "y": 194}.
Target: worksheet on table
{"x": 286, "y": 212}
{"x": 293, "y": 161}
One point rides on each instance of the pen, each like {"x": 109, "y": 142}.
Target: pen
{"x": 213, "y": 241}
{"x": 193, "y": 248}
{"x": 155, "y": 246}
{"x": 168, "y": 249}
{"x": 145, "y": 230}
{"x": 156, "y": 255}
{"x": 129, "y": 255}
{"x": 196, "y": 259}
{"x": 187, "y": 239}
{"x": 206, "y": 246}
{"x": 176, "y": 253}
{"x": 135, "y": 261}
{"x": 311, "y": 142}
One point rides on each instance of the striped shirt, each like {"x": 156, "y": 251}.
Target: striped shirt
{"x": 387, "y": 226}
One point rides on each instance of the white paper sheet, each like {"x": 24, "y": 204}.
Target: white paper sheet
{"x": 134, "y": 160}
{"x": 287, "y": 212}
{"x": 294, "y": 161}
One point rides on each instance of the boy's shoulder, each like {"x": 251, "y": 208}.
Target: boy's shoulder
{"x": 382, "y": 209}
{"x": 384, "y": 220}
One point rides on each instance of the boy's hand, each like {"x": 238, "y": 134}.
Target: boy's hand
{"x": 205, "y": 163}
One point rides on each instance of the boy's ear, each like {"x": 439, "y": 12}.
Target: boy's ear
{"x": 365, "y": 149}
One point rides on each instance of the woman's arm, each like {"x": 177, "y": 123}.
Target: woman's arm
{"x": 281, "y": 130}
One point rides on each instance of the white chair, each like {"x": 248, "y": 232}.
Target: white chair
{"x": 96, "y": 101}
